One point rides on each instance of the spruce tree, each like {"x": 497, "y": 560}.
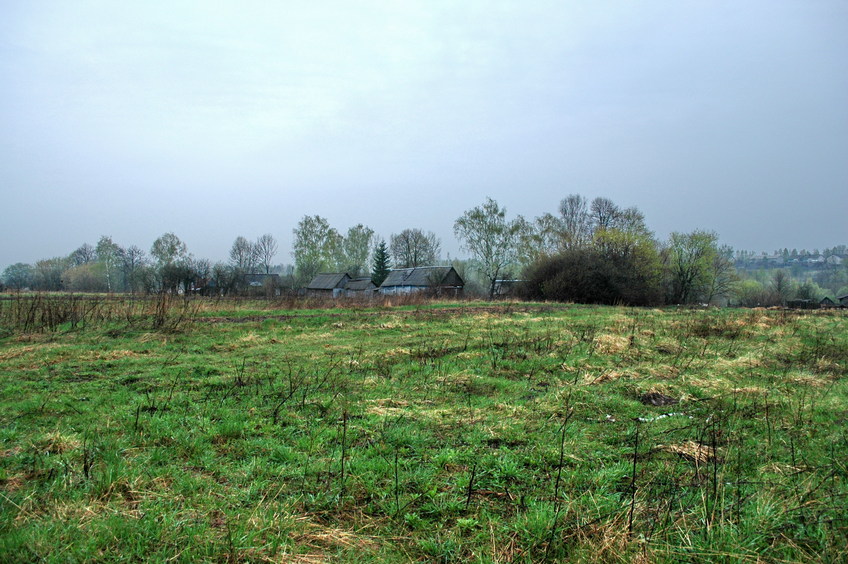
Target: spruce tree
{"x": 382, "y": 264}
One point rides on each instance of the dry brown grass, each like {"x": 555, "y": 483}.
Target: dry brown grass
{"x": 611, "y": 344}
{"x": 691, "y": 451}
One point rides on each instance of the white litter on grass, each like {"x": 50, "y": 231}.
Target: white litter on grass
{"x": 663, "y": 416}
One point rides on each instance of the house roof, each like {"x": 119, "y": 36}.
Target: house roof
{"x": 328, "y": 281}
{"x": 260, "y": 277}
{"x": 360, "y": 284}
{"x": 421, "y": 276}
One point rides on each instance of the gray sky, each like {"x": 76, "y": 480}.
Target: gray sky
{"x": 219, "y": 119}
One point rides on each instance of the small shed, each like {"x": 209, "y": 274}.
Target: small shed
{"x": 827, "y": 302}
{"x": 441, "y": 280}
{"x": 843, "y": 300}
{"x": 359, "y": 288}
{"x": 328, "y": 285}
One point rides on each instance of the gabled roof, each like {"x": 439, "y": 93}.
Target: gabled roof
{"x": 360, "y": 285}
{"x": 328, "y": 281}
{"x": 423, "y": 276}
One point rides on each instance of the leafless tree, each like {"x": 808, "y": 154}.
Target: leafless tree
{"x": 604, "y": 213}
{"x": 83, "y": 255}
{"x": 133, "y": 261}
{"x": 575, "y": 222}
{"x": 243, "y": 255}
{"x": 412, "y": 248}
{"x": 266, "y": 248}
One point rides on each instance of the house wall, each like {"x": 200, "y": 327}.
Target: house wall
{"x": 405, "y": 290}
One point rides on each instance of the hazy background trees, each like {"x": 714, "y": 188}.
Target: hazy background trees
{"x": 18, "y": 276}
{"x": 619, "y": 256}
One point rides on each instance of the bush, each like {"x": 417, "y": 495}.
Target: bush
{"x": 591, "y": 276}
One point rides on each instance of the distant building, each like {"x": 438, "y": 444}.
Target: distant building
{"x": 826, "y": 302}
{"x": 269, "y": 284}
{"x": 802, "y": 304}
{"x": 360, "y": 288}
{"x": 441, "y": 280}
{"x": 843, "y": 300}
{"x": 834, "y": 260}
{"x": 328, "y": 285}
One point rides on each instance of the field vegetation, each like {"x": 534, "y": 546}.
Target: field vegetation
{"x": 168, "y": 429}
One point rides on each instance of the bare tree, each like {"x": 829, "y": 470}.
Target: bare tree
{"x": 243, "y": 255}
{"x": 412, "y": 247}
{"x": 133, "y": 261}
{"x": 575, "y": 223}
{"x": 604, "y": 213}
{"x": 266, "y": 248}
{"x": 83, "y": 255}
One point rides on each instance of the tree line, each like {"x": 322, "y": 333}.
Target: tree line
{"x": 169, "y": 266}
{"x": 586, "y": 251}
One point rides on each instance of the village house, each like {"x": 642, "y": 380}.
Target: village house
{"x": 441, "y": 280}
{"x": 827, "y": 302}
{"x": 360, "y": 288}
{"x": 328, "y": 285}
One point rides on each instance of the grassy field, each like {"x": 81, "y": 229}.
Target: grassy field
{"x": 448, "y": 432}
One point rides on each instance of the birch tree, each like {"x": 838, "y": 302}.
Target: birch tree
{"x": 490, "y": 238}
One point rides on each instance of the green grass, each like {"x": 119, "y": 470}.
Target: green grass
{"x": 428, "y": 432}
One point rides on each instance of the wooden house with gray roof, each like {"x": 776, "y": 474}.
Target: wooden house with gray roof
{"x": 441, "y": 280}
{"x": 360, "y": 288}
{"x": 328, "y": 285}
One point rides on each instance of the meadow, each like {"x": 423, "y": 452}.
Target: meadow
{"x": 164, "y": 429}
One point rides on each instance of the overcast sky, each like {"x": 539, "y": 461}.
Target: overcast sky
{"x": 218, "y": 119}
